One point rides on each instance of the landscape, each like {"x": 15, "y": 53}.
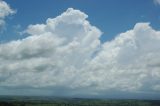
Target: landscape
{"x": 54, "y": 101}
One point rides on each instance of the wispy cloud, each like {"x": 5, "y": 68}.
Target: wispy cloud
{"x": 5, "y": 10}
{"x": 157, "y": 2}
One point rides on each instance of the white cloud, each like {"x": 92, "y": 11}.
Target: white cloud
{"x": 157, "y": 2}
{"x": 130, "y": 61}
{"x": 66, "y": 52}
{"x": 5, "y": 10}
{"x": 56, "y": 51}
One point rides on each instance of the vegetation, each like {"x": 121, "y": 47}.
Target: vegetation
{"x": 50, "y": 101}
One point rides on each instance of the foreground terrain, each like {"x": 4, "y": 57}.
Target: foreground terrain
{"x": 53, "y": 101}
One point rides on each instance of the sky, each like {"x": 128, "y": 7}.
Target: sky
{"x": 83, "y": 48}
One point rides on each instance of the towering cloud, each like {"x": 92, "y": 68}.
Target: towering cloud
{"x": 66, "y": 53}
{"x": 129, "y": 62}
{"x": 53, "y": 55}
{"x": 5, "y": 10}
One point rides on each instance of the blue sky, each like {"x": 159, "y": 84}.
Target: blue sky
{"x": 111, "y": 16}
{"x": 83, "y": 48}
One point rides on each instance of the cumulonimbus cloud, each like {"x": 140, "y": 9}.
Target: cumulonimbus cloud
{"x": 66, "y": 52}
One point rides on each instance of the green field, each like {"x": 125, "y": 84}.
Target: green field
{"x": 52, "y": 101}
